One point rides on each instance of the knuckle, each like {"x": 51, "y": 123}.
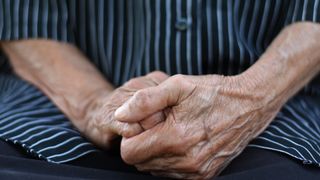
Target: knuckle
{"x": 141, "y": 98}
{"x": 129, "y": 130}
{"x": 132, "y": 83}
{"x": 123, "y": 129}
{"x": 157, "y": 73}
{"x": 157, "y": 77}
{"x": 178, "y": 78}
{"x": 181, "y": 81}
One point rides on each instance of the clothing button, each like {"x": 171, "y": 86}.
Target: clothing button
{"x": 182, "y": 24}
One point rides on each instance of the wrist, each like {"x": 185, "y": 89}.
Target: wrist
{"x": 81, "y": 108}
{"x": 260, "y": 80}
{"x": 289, "y": 63}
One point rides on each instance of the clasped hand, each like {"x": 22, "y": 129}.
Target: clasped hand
{"x": 208, "y": 120}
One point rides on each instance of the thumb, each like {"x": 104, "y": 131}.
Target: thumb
{"x": 148, "y": 101}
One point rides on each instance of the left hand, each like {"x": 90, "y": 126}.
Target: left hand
{"x": 100, "y": 126}
{"x": 209, "y": 121}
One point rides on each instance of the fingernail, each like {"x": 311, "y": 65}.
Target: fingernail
{"x": 120, "y": 113}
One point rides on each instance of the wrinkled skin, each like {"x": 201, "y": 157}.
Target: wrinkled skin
{"x": 210, "y": 120}
{"x": 102, "y": 128}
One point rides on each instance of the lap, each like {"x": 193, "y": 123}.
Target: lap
{"x": 253, "y": 163}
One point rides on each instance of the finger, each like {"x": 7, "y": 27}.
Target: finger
{"x": 152, "y": 120}
{"x": 132, "y": 129}
{"x": 126, "y": 129}
{"x": 151, "y": 79}
{"x": 148, "y": 101}
{"x": 157, "y": 77}
{"x": 153, "y": 142}
{"x": 164, "y": 140}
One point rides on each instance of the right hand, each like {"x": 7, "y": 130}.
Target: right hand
{"x": 101, "y": 127}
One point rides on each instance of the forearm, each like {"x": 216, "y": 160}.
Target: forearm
{"x": 289, "y": 63}
{"x": 60, "y": 71}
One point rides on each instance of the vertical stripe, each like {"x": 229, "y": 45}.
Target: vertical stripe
{"x": 178, "y": 37}
{"x": 220, "y": 36}
{"x": 110, "y": 33}
{"x": 142, "y": 36}
{"x": 236, "y": 25}
{"x": 64, "y": 20}
{"x": 289, "y": 12}
{"x": 210, "y": 32}
{"x": 189, "y": 31}
{"x": 35, "y": 18}
{"x": 138, "y": 28}
{"x": 1, "y": 19}
{"x": 230, "y": 37}
{"x": 44, "y": 24}
{"x": 157, "y": 35}
{"x": 16, "y": 19}
{"x": 72, "y": 21}
{"x": 82, "y": 14}
{"x": 120, "y": 15}
{"x": 252, "y": 28}
{"x": 25, "y": 18}
{"x": 148, "y": 35}
{"x": 140, "y": 39}
{"x": 271, "y": 26}
{"x": 295, "y": 11}
{"x": 7, "y": 19}
{"x": 244, "y": 18}
{"x": 104, "y": 62}
{"x": 129, "y": 50}
{"x": 304, "y": 11}
{"x": 315, "y": 11}
{"x": 199, "y": 24}
{"x": 92, "y": 23}
{"x": 167, "y": 37}
{"x": 54, "y": 19}
{"x": 263, "y": 25}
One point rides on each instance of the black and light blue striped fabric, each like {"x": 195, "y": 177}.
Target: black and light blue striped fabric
{"x": 126, "y": 38}
{"x": 30, "y": 120}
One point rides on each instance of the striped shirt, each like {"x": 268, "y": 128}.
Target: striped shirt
{"x": 125, "y": 39}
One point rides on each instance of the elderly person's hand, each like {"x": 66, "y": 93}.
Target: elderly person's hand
{"x": 102, "y": 128}
{"x": 66, "y": 76}
{"x": 210, "y": 119}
